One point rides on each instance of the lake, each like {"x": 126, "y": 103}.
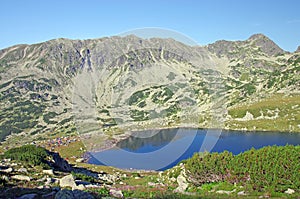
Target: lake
{"x": 163, "y": 149}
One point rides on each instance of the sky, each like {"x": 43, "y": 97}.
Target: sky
{"x": 204, "y": 21}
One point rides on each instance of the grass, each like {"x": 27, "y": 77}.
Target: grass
{"x": 288, "y": 108}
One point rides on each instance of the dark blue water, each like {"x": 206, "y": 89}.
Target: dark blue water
{"x": 163, "y": 149}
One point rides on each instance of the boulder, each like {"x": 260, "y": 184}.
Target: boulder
{"x": 182, "y": 184}
{"x": 29, "y": 196}
{"x": 289, "y": 191}
{"x": 22, "y": 170}
{"x": 49, "y": 172}
{"x": 79, "y": 160}
{"x": 8, "y": 170}
{"x": 21, "y": 177}
{"x": 116, "y": 193}
{"x": 241, "y": 193}
{"x": 67, "y": 181}
{"x": 75, "y": 194}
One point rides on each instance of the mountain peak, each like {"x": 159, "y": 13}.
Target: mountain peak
{"x": 266, "y": 44}
{"x": 258, "y": 36}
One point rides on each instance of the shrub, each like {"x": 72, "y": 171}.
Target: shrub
{"x": 29, "y": 154}
{"x": 272, "y": 168}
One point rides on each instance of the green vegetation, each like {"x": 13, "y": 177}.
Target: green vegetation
{"x": 162, "y": 96}
{"x": 268, "y": 169}
{"x": 138, "y": 96}
{"x": 284, "y": 111}
{"x": 84, "y": 177}
{"x": 138, "y": 115}
{"x": 28, "y": 154}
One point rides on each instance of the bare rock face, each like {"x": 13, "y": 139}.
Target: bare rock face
{"x": 61, "y": 163}
{"x": 298, "y": 50}
{"x": 266, "y": 44}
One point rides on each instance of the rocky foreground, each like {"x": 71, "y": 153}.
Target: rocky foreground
{"x": 30, "y": 177}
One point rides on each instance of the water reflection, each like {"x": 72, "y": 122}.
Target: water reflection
{"x": 162, "y": 149}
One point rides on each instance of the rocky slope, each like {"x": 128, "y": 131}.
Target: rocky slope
{"x": 118, "y": 84}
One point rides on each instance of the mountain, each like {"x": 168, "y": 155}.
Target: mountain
{"x": 118, "y": 84}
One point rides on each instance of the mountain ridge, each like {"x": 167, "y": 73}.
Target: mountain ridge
{"x": 161, "y": 78}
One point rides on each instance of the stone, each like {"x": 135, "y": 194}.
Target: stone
{"x": 107, "y": 177}
{"x": 5, "y": 178}
{"x": 172, "y": 179}
{"x": 49, "y": 172}
{"x": 75, "y": 194}
{"x": 48, "y": 181}
{"x": 225, "y": 192}
{"x": 116, "y": 193}
{"x": 182, "y": 184}
{"x": 79, "y": 160}
{"x": 22, "y": 170}
{"x": 8, "y": 170}
{"x": 289, "y": 191}
{"x": 80, "y": 187}
{"x": 241, "y": 193}
{"x": 29, "y": 196}
{"x": 67, "y": 181}
{"x": 50, "y": 195}
{"x": 21, "y": 177}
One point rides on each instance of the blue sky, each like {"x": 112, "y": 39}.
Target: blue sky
{"x": 205, "y": 21}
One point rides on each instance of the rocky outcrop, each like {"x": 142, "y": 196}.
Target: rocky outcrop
{"x": 75, "y": 194}
{"x": 67, "y": 181}
{"x": 21, "y": 177}
{"x": 266, "y": 45}
{"x": 116, "y": 193}
{"x": 60, "y": 163}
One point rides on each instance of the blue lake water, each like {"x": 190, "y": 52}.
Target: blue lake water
{"x": 163, "y": 149}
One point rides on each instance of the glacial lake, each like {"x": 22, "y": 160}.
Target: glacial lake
{"x": 163, "y": 149}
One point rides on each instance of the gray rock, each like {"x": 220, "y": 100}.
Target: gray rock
{"x": 182, "y": 184}
{"x": 75, "y": 194}
{"x": 48, "y": 181}
{"x": 22, "y": 170}
{"x": 21, "y": 177}
{"x": 8, "y": 170}
{"x": 79, "y": 160}
{"x": 29, "y": 196}
{"x": 241, "y": 193}
{"x": 107, "y": 177}
{"x": 48, "y": 171}
{"x": 116, "y": 193}
{"x": 6, "y": 178}
{"x": 67, "y": 181}
{"x": 225, "y": 192}
{"x": 80, "y": 187}
{"x": 289, "y": 191}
